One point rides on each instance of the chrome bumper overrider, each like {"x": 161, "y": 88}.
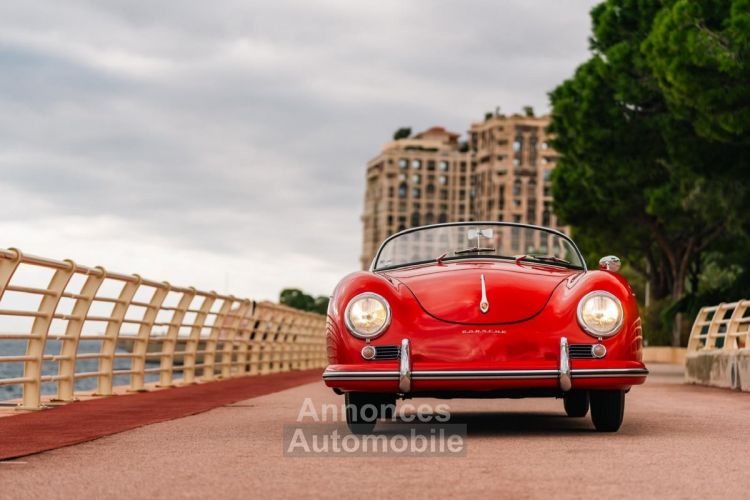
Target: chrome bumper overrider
{"x": 404, "y": 374}
{"x": 564, "y": 374}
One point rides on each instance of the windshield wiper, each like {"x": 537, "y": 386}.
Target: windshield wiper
{"x": 544, "y": 258}
{"x": 474, "y": 250}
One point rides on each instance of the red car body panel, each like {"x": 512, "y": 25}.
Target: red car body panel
{"x": 436, "y": 306}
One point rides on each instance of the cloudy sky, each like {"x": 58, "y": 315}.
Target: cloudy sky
{"x": 222, "y": 144}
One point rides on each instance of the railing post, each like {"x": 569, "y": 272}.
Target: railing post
{"x": 231, "y": 330}
{"x": 255, "y": 340}
{"x": 745, "y": 306}
{"x": 140, "y": 346}
{"x": 32, "y": 368}
{"x": 733, "y": 326}
{"x": 296, "y": 343}
{"x": 105, "y": 379}
{"x": 245, "y": 330}
{"x": 276, "y": 345}
{"x": 714, "y": 326}
{"x": 264, "y": 351}
{"x": 166, "y": 364}
{"x": 321, "y": 343}
{"x": 695, "y": 333}
{"x": 69, "y": 350}
{"x": 8, "y": 268}
{"x": 278, "y": 319}
{"x": 191, "y": 346}
{"x": 311, "y": 343}
{"x": 288, "y": 345}
{"x": 303, "y": 339}
{"x": 209, "y": 358}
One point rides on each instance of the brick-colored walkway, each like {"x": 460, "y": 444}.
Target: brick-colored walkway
{"x": 677, "y": 441}
{"x": 75, "y": 423}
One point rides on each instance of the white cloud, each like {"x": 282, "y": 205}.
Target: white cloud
{"x": 195, "y": 141}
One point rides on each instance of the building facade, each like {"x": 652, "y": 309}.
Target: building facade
{"x": 501, "y": 173}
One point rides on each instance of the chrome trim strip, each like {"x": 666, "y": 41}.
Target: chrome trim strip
{"x": 377, "y": 375}
{"x": 484, "y": 304}
{"x": 404, "y": 373}
{"x": 609, "y": 372}
{"x": 486, "y": 374}
{"x": 565, "y": 380}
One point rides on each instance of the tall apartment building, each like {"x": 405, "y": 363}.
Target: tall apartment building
{"x": 431, "y": 177}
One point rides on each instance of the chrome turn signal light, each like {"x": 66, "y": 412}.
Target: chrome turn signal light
{"x": 368, "y": 352}
{"x": 598, "y": 351}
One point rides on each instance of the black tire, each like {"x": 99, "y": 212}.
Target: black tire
{"x": 576, "y": 403}
{"x": 607, "y": 410}
{"x": 387, "y": 408}
{"x": 364, "y": 409}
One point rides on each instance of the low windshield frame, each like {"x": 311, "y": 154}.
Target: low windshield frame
{"x": 466, "y": 257}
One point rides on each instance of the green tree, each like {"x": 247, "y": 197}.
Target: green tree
{"x": 402, "y": 133}
{"x": 624, "y": 180}
{"x": 699, "y": 51}
{"x": 321, "y": 304}
{"x": 296, "y": 298}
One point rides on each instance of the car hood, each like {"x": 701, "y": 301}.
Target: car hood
{"x": 452, "y": 292}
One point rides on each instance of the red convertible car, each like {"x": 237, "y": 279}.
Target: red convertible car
{"x": 484, "y": 309}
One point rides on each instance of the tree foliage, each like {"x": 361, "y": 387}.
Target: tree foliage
{"x": 636, "y": 177}
{"x": 296, "y": 298}
{"x": 402, "y": 133}
{"x": 699, "y": 52}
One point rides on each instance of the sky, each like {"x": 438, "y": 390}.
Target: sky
{"x": 223, "y": 144}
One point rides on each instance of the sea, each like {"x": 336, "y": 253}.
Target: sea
{"x": 18, "y": 348}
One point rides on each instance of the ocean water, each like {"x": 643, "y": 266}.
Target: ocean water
{"x": 18, "y": 348}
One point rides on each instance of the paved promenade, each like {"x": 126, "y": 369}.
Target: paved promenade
{"x": 677, "y": 442}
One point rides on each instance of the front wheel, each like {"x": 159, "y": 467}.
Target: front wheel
{"x": 363, "y": 410}
{"x": 607, "y": 410}
{"x": 576, "y": 403}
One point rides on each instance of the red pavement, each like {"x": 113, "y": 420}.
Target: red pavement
{"x": 677, "y": 441}
{"x": 29, "y": 433}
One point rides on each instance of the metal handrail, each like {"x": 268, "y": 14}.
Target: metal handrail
{"x": 207, "y": 335}
{"x": 724, "y": 326}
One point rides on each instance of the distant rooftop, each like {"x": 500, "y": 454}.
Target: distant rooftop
{"x": 437, "y": 133}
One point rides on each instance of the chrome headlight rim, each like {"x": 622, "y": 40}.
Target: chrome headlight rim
{"x": 379, "y": 331}
{"x": 620, "y": 320}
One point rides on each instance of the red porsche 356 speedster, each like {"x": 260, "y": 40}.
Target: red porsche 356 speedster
{"x": 484, "y": 309}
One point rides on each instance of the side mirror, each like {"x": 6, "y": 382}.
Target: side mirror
{"x": 609, "y": 263}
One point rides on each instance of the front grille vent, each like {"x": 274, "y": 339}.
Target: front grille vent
{"x": 387, "y": 352}
{"x": 581, "y": 351}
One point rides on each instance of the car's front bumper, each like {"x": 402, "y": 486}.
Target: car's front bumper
{"x": 424, "y": 378}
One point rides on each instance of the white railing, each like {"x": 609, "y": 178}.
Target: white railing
{"x": 725, "y": 326}
{"x": 193, "y": 335}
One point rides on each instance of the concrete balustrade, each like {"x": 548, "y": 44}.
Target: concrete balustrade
{"x": 718, "y": 352}
{"x": 181, "y": 335}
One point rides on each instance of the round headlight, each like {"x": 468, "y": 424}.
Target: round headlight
{"x": 367, "y": 315}
{"x": 600, "y": 314}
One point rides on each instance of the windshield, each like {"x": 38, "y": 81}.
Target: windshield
{"x": 473, "y": 240}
